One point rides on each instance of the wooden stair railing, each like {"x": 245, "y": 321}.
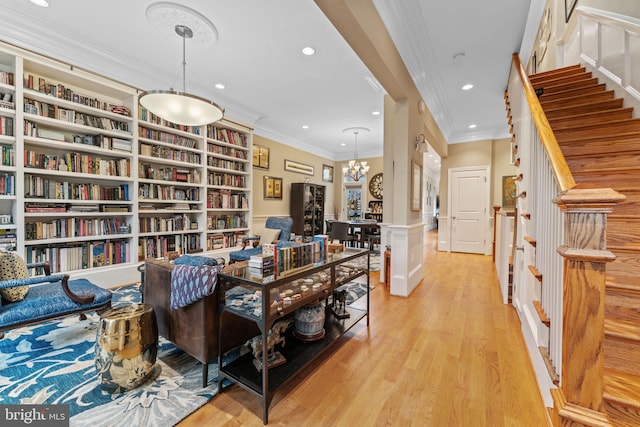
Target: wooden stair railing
{"x": 610, "y": 158}
{"x": 580, "y": 398}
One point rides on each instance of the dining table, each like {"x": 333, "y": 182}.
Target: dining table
{"x": 362, "y": 229}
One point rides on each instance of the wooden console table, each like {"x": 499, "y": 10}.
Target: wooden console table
{"x": 245, "y": 294}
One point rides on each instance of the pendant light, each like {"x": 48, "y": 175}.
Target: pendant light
{"x": 355, "y": 169}
{"x": 181, "y": 107}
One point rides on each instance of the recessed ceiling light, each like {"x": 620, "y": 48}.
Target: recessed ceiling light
{"x": 473, "y": 126}
{"x": 305, "y": 126}
{"x": 343, "y": 144}
{"x": 41, "y": 3}
{"x": 219, "y": 86}
{"x": 468, "y": 86}
{"x": 308, "y": 51}
{"x": 430, "y": 155}
{"x": 376, "y": 113}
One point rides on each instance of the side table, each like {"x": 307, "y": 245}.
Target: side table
{"x": 126, "y": 347}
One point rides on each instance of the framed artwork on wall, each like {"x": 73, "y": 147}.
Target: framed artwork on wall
{"x": 327, "y": 173}
{"x": 260, "y": 157}
{"x": 509, "y": 191}
{"x": 291, "y": 166}
{"x": 416, "y": 185}
{"x": 272, "y": 188}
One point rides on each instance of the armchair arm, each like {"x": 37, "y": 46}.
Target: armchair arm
{"x": 44, "y": 264}
{"x": 63, "y": 278}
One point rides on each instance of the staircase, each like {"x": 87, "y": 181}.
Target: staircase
{"x": 601, "y": 143}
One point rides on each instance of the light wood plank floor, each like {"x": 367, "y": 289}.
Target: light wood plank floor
{"x": 449, "y": 355}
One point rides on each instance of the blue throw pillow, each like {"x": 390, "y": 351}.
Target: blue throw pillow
{"x": 194, "y": 260}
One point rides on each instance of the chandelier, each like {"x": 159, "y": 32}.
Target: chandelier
{"x": 175, "y": 106}
{"x": 355, "y": 169}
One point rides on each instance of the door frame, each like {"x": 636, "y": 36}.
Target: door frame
{"x": 487, "y": 235}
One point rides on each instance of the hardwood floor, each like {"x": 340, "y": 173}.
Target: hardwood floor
{"x": 449, "y": 355}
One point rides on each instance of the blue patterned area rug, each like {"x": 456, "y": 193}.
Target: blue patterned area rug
{"x": 53, "y": 363}
{"x": 355, "y": 290}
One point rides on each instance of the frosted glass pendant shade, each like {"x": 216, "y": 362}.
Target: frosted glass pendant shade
{"x": 181, "y": 108}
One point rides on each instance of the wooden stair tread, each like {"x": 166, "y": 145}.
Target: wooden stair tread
{"x": 558, "y": 72}
{"x": 622, "y": 329}
{"x": 536, "y": 273}
{"x": 573, "y": 84}
{"x": 599, "y": 129}
{"x": 571, "y": 96}
{"x": 590, "y": 118}
{"x": 541, "y": 314}
{"x": 622, "y": 387}
{"x": 621, "y": 143}
{"x": 583, "y": 106}
{"x": 531, "y": 241}
{"x": 560, "y": 79}
{"x": 603, "y": 163}
{"x": 626, "y": 283}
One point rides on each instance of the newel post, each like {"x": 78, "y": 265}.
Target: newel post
{"x": 579, "y": 401}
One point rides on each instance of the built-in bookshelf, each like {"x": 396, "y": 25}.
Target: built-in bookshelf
{"x": 170, "y": 192}
{"x": 228, "y": 174}
{"x": 77, "y": 165}
{"x": 94, "y": 184}
{"x": 8, "y": 162}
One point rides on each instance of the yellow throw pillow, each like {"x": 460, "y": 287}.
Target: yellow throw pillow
{"x": 13, "y": 267}
{"x": 269, "y": 235}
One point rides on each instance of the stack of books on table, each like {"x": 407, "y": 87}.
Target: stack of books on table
{"x": 261, "y": 264}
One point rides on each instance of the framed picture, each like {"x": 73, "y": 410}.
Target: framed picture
{"x": 327, "y": 173}
{"x": 260, "y": 157}
{"x": 292, "y": 166}
{"x": 416, "y": 185}
{"x": 509, "y": 191}
{"x": 272, "y": 187}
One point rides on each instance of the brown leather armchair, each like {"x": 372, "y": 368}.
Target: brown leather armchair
{"x": 193, "y": 328}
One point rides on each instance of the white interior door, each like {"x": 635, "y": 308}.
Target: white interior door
{"x": 468, "y": 207}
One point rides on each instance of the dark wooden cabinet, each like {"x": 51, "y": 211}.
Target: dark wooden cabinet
{"x": 307, "y": 209}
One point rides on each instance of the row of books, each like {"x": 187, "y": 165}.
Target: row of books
{"x": 78, "y": 163}
{"x": 8, "y": 155}
{"x": 168, "y": 192}
{"x": 227, "y": 135}
{"x": 6, "y": 77}
{"x": 226, "y": 164}
{"x": 163, "y": 152}
{"x": 63, "y": 258}
{"x": 288, "y": 258}
{"x": 70, "y": 207}
{"x": 53, "y": 111}
{"x": 169, "y": 138}
{"x": 8, "y": 240}
{"x": 46, "y": 188}
{"x": 221, "y": 222}
{"x": 61, "y": 91}
{"x": 171, "y": 174}
{"x": 7, "y": 185}
{"x": 224, "y": 199}
{"x": 148, "y": 116}
{"x": 159, "y": 246}
{"x": 159, "y": 224}
{"x": 224, "y": 240}
{"x": 6, "y": 126}
{"x": 226, "y": 179}
{"x": 227, "y": 151}
{"x": 73, "y": 227}
{"x": 104, "y": 142}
